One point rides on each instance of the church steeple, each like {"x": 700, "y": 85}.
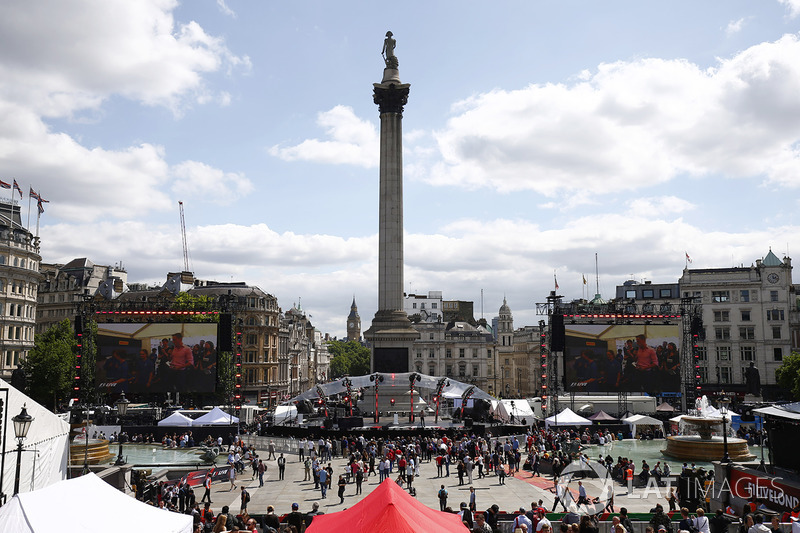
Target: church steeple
{"x": 353, "y": 323}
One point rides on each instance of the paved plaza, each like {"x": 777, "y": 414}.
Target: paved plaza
{"x": 518, "y": 491}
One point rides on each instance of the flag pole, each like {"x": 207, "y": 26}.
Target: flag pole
{"x": 28, "y": 223}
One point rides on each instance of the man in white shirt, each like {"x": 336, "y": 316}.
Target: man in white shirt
{"x": 759, "y": 526}
{"x": 543, "y": 521}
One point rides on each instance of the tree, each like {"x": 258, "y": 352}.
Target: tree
{"x": 50, "y": 365}
{"x": 348, "y": 358}
{"x": 788, "y": 375}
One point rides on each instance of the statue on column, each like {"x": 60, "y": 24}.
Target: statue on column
{"x": 388, "y": 51}
{"x": 752, "y": 380}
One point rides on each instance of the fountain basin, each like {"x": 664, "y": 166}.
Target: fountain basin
{"x": 696, "y": 448}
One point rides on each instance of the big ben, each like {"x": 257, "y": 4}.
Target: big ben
{"x": 353, "y": 323}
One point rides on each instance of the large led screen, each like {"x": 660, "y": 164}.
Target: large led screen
{"x": 622, "y": 358}
{"x": 156, "y": 357}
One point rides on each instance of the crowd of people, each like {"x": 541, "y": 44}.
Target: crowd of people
{"x": 469, "y": 458}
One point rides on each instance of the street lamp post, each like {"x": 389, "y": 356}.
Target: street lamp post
{"x": 723, "y": 409}
{"x": 122, "y": 410}
{"x": 22, "y": 423}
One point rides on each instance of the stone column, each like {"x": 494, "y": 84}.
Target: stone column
{"x": 391, "y": 334}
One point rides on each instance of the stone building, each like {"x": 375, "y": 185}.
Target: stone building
{"x": 63, "y": 287}
{"x": 258, "y": 315}
{"x": 458, "y": 350}
{"x": 19, "y": 284}
{"x": 424, "y": 307}
{"x": 299, "y": 345}
{"x": 506, "y": 363}
{"x": 747, "y": 315}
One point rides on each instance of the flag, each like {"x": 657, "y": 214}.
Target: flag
{"x": 41, "y": 207}
{"x": 39, "y": 196}
{"x": 18, "y": 189}
{"x": 584, "y": 279}
{"x": 687, "y": 257}
{"x": 555, "y": 279}
{"x": 5, "y": 185}
{"x": 33, "y": 194}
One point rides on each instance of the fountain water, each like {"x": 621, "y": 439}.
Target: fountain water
{"x": 703, "y": 444}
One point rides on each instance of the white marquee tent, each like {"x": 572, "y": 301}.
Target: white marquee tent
{"x": 45, "y": 449}
{"x": 567, "y": 418}
{"x": 176, "y": 419}
{"x": 639, "y": 421}
{"x": 215, "y": 417}
{"x": 86, "y": 504}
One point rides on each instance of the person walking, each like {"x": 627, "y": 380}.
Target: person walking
{"x": 323, "y": 482}
{"x": 281, "y": 466}
{"x": 342, "y": 485}
{"x": 207, "y": 486}
{"x": 442, "y": 498}
{"x": 271, "y": 449}
{"x": 244, "y": 498}
{"x": 262, "y": 468}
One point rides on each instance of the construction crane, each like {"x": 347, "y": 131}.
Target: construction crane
{"x": 183, "y": 236}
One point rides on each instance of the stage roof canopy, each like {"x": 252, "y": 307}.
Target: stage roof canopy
{"x": 451, "y": 389}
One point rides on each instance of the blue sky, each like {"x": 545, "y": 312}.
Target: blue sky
{"x": 536, "y": 135}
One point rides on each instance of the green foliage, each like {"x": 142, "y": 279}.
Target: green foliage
{"x": 788, "y": 375}
{"x": 348, "y": 358}
{"x": 50, "y": 365}
{"x": 187, "y": 302}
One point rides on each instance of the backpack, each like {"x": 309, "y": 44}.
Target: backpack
{"x": 246, "y": 497}
{"x": 442, "y": 494}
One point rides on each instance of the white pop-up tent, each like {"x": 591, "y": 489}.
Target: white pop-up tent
{"x": 176, "y": 419}
{"x": 215, "y": 417}
{"x": 85, "y": 504}
{"x": 567, "y": 417}
{"x": 45, "y": 450}
{"x": 642, "y": 421}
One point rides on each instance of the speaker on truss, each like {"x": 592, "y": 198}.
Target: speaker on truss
{"x": 557, "y": 336}
{"x": 225, "y": 333}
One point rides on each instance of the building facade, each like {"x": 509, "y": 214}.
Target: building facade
{"x": 457, "y": 350}
{"x": 19, "y": 285}
{"x": 747, "y": 315}
{"x": 424, "y": 307}
{"x": 63, "y": 288}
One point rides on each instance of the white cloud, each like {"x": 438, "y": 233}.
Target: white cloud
{"x": 223, "y": 7}
{"x": 198, "y": 180}
{"x": 64, "y": 59}
{"x": 631, "y": 125}
{"x": 352, "y": 141}
{"x": 793, "y": 6}
{"x": 61, "y": 57}
{"x": 662, "y": 205}
{"x": 735, "y": 26}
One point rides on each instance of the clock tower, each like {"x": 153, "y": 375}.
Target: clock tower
{"x": 353, "y": 323}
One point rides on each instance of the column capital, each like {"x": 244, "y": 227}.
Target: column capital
{"x": 391, "y": 97}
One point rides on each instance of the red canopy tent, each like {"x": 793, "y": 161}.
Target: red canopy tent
{"x": 388, "y": 509}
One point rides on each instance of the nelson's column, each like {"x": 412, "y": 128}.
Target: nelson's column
{"x": 391, "y": 334}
